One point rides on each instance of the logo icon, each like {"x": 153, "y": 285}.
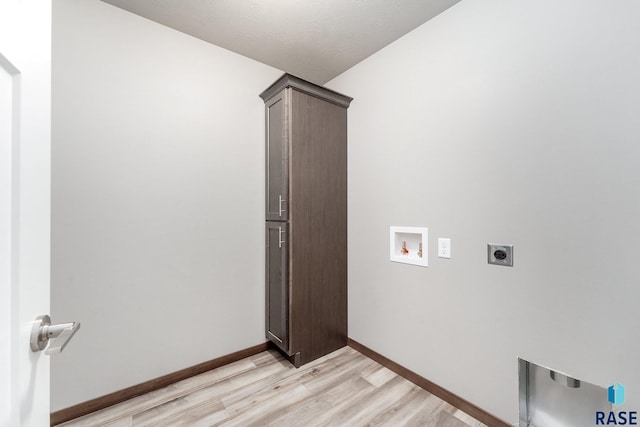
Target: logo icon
{"x": 616, "y": 394}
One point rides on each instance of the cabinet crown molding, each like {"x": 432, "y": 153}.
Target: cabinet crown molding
{"x": 288, "y": 80}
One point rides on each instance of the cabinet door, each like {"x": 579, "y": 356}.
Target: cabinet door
{"x": 277, "y": 158}
{"x": 277, "y": 285}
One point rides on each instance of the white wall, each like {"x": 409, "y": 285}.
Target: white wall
{"x": 509, "y": 122}
{"x": 158, "y": 210}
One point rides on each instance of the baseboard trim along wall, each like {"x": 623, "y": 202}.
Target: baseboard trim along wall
{"x": 455, "y": 400}
{"x": 111, "y": 399}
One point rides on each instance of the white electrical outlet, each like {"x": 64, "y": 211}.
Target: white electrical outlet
{"x": 444, "y": 248}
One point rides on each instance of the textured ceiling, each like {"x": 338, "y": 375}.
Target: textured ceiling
{"x": 313, "y": 39}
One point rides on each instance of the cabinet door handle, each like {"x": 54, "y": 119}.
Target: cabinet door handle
{"x": 280, "y": 240}
{"x": 280, "y": 205}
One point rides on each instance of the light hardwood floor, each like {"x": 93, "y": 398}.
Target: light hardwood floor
{"x": 344, "y": 388}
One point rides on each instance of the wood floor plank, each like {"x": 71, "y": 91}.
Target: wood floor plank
{"x": 468, "y": 419}
{"x": 420, "y": 406}
{"x": 150, "y": 400}
{"x": 245, "y": 390}
{"x": 361, "y": 411}
{"x": 196, "y": 420}
{"x": 445, "y": 419}
{"x": 264, "y": 404}
{"x": 380, "y": 376}
{"x": 177, "y": 409}
{"x": 344, "y": 388}
{"x": 288, "y": 374}
{"x": 402, "y": 409}
{"x": 112, "y": 414}
{"x": 121, "y": 422}
{"x": 332, "y": 372}
{"x": 266, "y": 358}
{"x": 427, "y": 412}
{"x": 205, "y": 395}
{"x": 323, "y": 406}
{"x": 205, "y": 413}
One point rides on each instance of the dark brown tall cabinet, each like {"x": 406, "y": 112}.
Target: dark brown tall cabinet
{"x": 306, "y": 213}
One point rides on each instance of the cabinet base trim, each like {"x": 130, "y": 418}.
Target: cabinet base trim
{"x": 294, "y": 358}
{"x": 111, "y": 399}
{"x": 444, "y": 394}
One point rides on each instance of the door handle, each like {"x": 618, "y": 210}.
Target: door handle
{"x": 43, "y": 331}
{"x": 280, "y": 200}
{"x": 280, "y": 233}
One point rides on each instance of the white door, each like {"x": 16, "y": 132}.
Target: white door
{"x": 25, "y": 123}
